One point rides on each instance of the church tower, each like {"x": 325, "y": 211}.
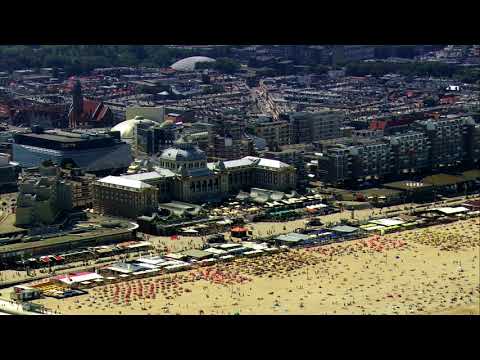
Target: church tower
{"x": 76, "y": 109}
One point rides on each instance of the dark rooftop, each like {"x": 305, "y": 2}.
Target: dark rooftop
{"x": 443, "y": 179}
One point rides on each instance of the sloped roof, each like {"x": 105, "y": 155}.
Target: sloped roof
{"x": 443, "y": 179}
{"x": 152, "y": 175}
{"x": 122, "y": 181}
{"x": 252, "y": 160}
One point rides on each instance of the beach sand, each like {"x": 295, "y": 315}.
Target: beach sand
{"x": 433, "y": 270}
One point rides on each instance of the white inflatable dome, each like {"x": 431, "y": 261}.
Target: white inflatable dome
{"x": 188, "y": 64}
{"x": 127, "y": 127}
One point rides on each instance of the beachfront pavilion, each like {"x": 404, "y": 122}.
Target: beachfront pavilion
{"x": 292, "y": 239}
{"x": 446, "y": 183}
{"x": 451, "y": 210}
{"x": 121, "y": 268}
{"x": 382, "y": 197}
{"x": 197, "y": 254}
{"x": 345, "y": 231}
{"x": 412, "y": 190}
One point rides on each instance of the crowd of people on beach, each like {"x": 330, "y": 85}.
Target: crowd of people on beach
{"x": 310, "y": 272}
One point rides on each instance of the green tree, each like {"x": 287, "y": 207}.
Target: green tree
{"x": 47, "y": 163}
{"x": 320, "y": 69}
{"x": 227, "y": 65}
{"x": 68, "y": 163}
{"x": 430, "y": 102}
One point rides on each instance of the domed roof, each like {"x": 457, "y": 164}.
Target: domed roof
{"x": 188, "y": 64}
{"x": 127, "y": 127}
{"x": 183, "y": 152}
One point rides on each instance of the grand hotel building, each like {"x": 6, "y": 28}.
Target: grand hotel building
{"x": 181, "y": 172}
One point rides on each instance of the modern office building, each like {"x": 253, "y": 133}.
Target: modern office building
{"x": 152, "y": 138}
{"x": 91, "y": 152}
{"x": 128, "y": 127}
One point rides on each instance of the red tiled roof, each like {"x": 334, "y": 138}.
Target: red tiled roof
{"x": 89, "y": 106}
{"x": 378, "y": 125}
{"x": 5, "y": 110}
{"x": 102, "y": 112}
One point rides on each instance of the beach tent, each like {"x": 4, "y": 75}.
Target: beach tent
{"x": 344, "y": 229}
{"x": 239, "y": 232}
{"x": 388, "y": 222}
{"x": 451, "y": 210}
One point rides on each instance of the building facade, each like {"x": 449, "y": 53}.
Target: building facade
{"x": 275, "y": 133}
{"x": 90, "y": 152}
{"x": 8, "y": 172}
{"x": 181, "y": 172}
{"x": 43, "y": 194}
{"x": 430, "y": 145}
{"x": 309, "y": 127}
{"x": 450, "y": 140}
{"x": 122, "y": 197}
{"x": 86, "y": 112}
{"x": 150, "y": 139}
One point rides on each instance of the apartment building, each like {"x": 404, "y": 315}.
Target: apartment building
{"x": 431, "y": 144}
{"x": 122, "y": 197}
{"x": 308, "y": 127}
{"x": 275, "y": 133}
{"x": 409, "y": 152}
{"x": 448, "y": 140}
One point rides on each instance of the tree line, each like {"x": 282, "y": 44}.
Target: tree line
{"x": 81, "y": 59}
{"x": 434, "y": 69}
{"x": 224, "y": 65}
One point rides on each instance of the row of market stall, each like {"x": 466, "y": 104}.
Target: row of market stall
{"x": 319, "y": 235}
{"x": 90, "y": 253}
{"x": 76, "y": 283}
{"x": 279, "y": 206}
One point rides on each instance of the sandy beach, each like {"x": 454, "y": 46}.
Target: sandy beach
{"x": 433, "y": 270}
